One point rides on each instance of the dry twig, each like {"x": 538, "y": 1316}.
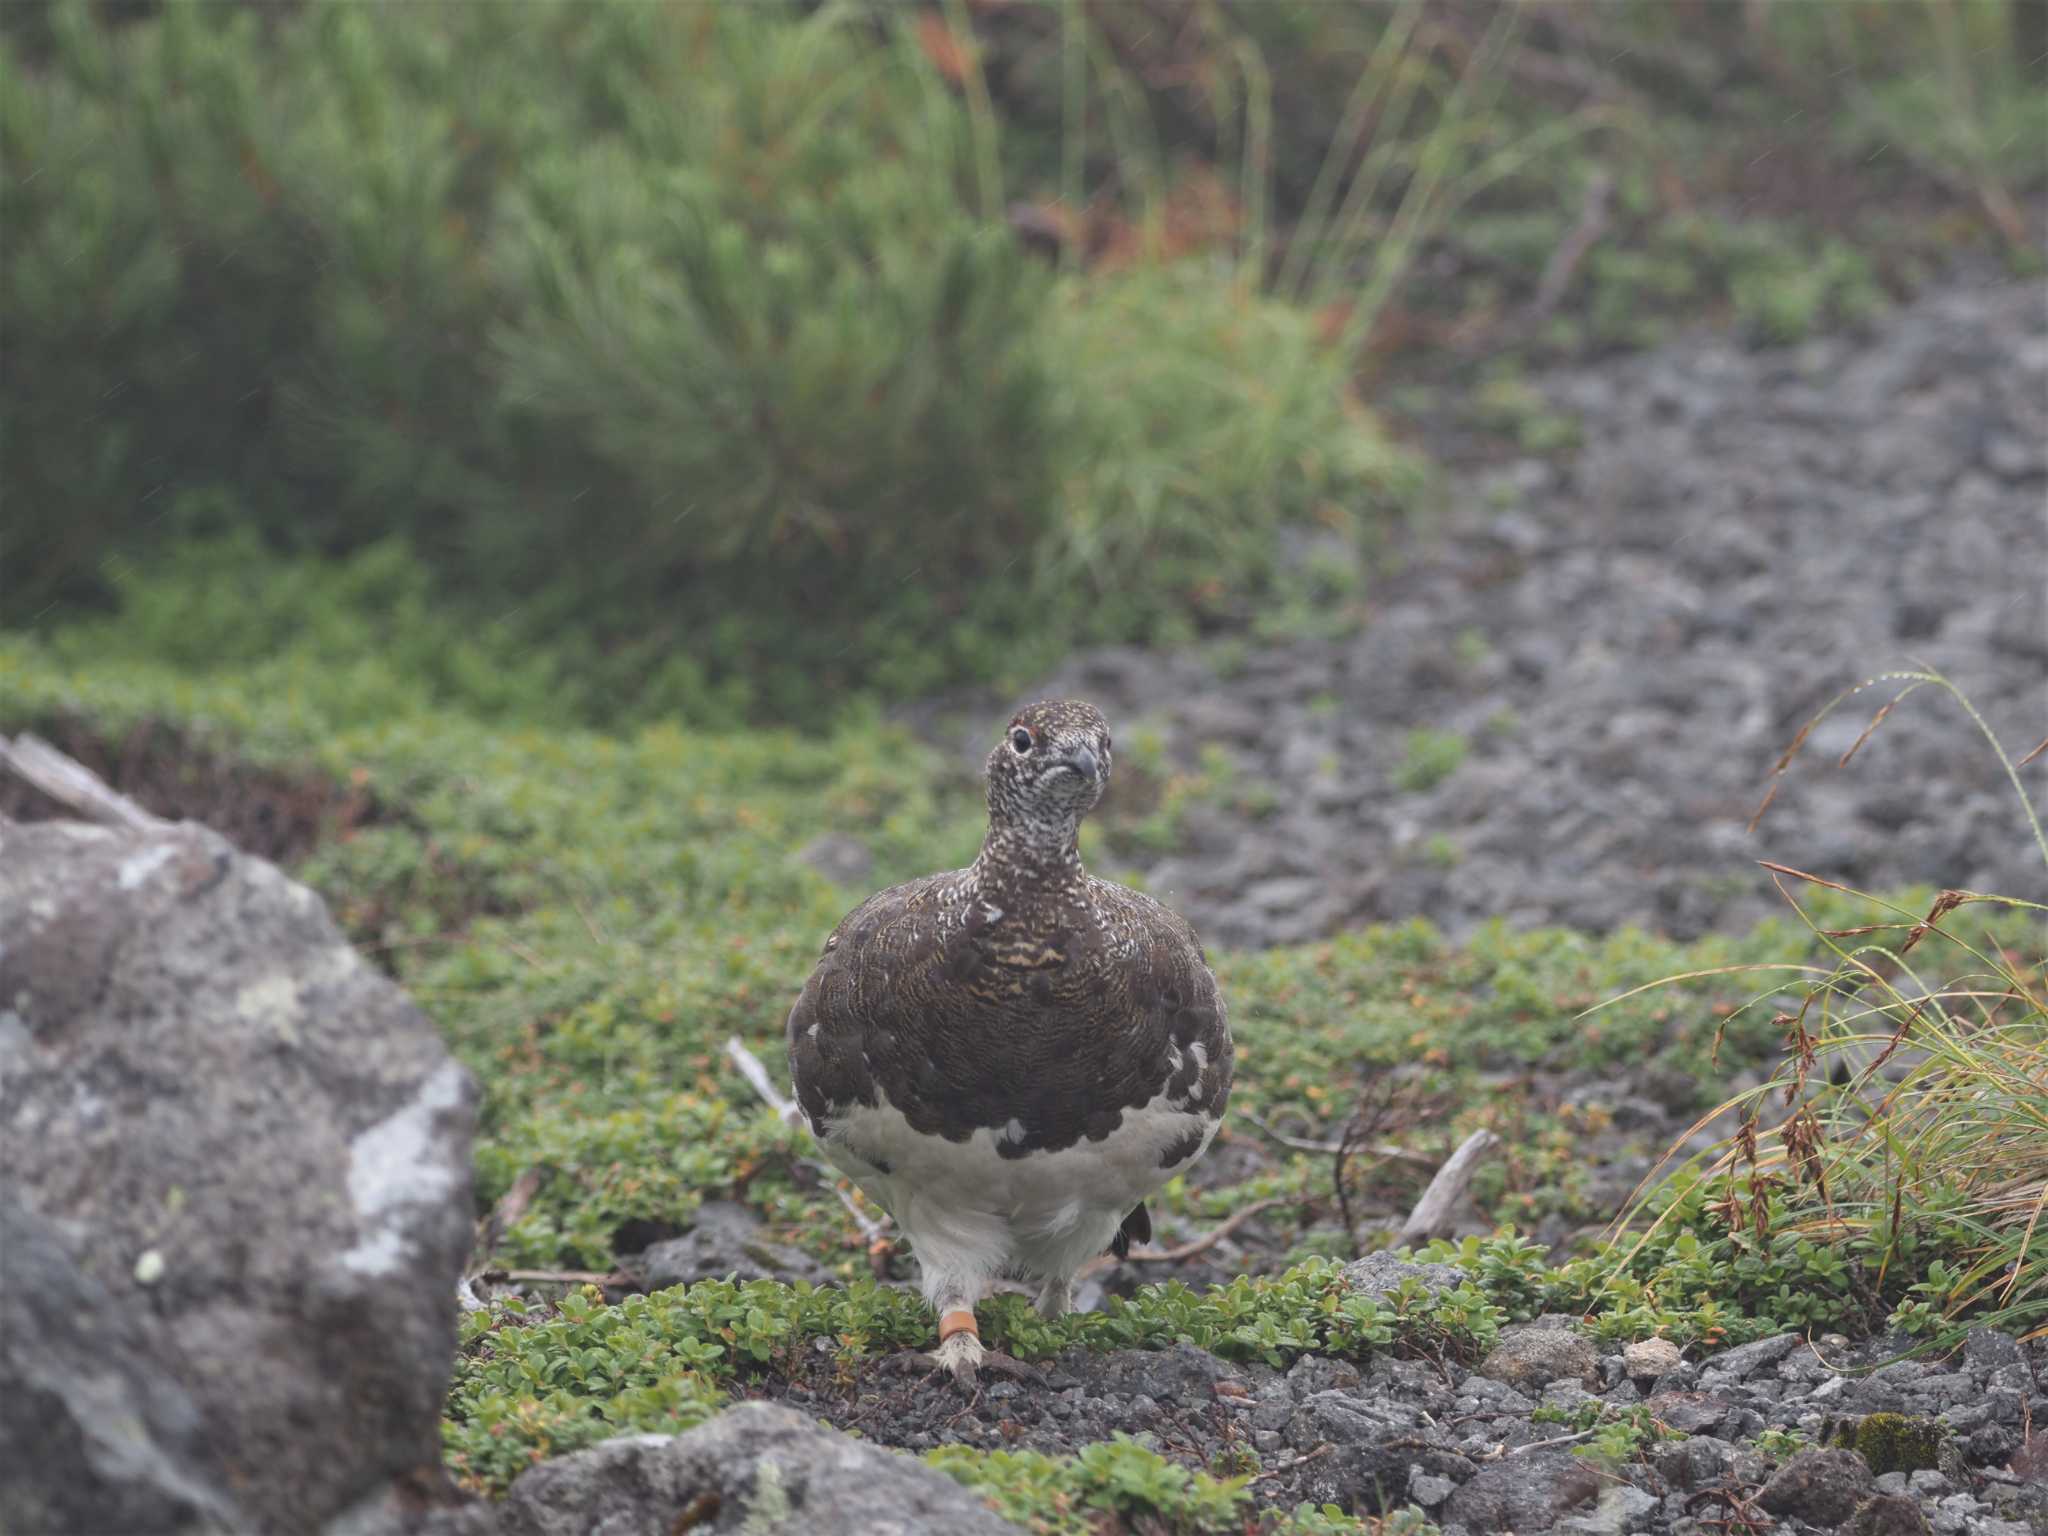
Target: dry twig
{"x": 505, "y": 1214}
{"x": 757, "y": 1077}
{"x": 1432, "y": 1212}
{"x": 71, "y": 783}
{"x": 1189, "y": 1249}
{"x": 1571, "y": 251}
{"x": 1325, "y": 1148}
{"x": 617, "y": 1277}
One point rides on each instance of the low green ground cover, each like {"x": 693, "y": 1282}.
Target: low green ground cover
{"x": 588, "y": 918}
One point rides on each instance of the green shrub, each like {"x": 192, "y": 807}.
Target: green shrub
{"x": 1068, "y": 1496}
{"x": 677, "y": 344}
{"x": 1428, "y": 757}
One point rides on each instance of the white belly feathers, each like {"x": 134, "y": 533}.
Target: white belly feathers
{"x": 964, "y": 1205}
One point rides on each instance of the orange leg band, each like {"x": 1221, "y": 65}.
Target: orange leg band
{"x": 957, "y": 1321}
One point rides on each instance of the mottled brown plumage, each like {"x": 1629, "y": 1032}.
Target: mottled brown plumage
{"x": 1011, "y": 1055}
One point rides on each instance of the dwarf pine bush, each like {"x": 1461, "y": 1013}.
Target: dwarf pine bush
{"x": 684, "y": 332}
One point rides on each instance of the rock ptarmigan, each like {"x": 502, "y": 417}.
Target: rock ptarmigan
{"x": 1012, "y": 1056}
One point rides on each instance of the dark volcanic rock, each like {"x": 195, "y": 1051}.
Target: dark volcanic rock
{"x": 1819, "y": 1487}
{"x": 1524, "y": 1493}
{"x": 755, "y": 1469}
{"x": 1887, "y": 1514}
{"x": 1531, "y": 1358}
{"x": 1380, "y": 1274}
{"x": 725, "y": 1242}
{"x": 1368, "y": 1450}
{"x": 239, "y": 1181}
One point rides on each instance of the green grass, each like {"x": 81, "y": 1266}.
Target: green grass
{"x": 1428, "y": 757}
{"x": 555, "y": 1378}
{"x": 687, "y": 349}
{"x": 1911, "y": 1197}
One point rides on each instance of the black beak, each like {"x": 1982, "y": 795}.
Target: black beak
{"x": 1082, "y": 761}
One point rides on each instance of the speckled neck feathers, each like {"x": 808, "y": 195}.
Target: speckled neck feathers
{"x": 1043, "y": 777}
{"x": 1024, "y": 859}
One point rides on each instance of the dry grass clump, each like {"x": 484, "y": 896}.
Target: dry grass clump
{"x": 1906, "y": 1127}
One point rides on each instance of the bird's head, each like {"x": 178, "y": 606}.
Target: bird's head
{"x": 1048, "y": 770}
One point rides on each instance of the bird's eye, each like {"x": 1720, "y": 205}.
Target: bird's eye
{"x": 1020, "y": 740}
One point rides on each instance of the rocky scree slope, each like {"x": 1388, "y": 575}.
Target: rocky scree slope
{"x": 1942, "y": 1445}
{"x": 1614, "y": 649}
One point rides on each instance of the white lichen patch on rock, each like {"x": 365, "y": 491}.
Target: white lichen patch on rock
{"x": 273, "y": 1001}
{"x": 138, "y": 867}
{"x": 394, "y": 1166}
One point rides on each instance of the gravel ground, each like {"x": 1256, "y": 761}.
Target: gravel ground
{"x": 1624, "y": 642}
{"x": 1467, "y": 1445}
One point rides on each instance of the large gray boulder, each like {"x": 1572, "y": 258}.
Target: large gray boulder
{"x": 756, "y": 1469}
{"x": 238, "y": 1177}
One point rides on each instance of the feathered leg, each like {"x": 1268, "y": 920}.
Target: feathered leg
{"x": 1056, "y": 1296}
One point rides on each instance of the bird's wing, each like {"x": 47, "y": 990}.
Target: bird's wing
{"x": 1045, "y": 1043}
{"x": 854, "y": 995}
{"x": 1173, "y": 1011}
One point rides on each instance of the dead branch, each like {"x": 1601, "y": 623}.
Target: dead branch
{"x": 1325, "y": 1148}
{"x": 1564, "y": 261}
{"x": 1190, "y": 1248}
{"x": 505, "y": 1214}
{"x": 72, "y": 784}
{"x": 1544, "y": 1445}
{"x": 872, "y": 1231}
{"x": 789, "y": 1114}
{"x": 1432, "y": 1212}
{"x": 757, "y": 1076}
{"x": 615, "y": 1279}
{"x": 1288, "y": 1466}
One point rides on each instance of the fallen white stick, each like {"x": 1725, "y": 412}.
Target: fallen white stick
{"x": 870, "y": 1229}
{"x": 1432, "y": 1212}
{"x": 787, "y": 1112}
{"x": 73, "y": 784}
{"x": 757, "y": 1075}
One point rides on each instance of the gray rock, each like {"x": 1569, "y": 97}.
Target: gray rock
{"x": 1694, "y": 1462}
{"x": 1745, "y": 1360}
{"x": 755, "y": 1469}
{"x": 244, "y": 1158}
{"x": 725, "y": 1241}
{"x": 1886, "y": 1514}
{"x": 1619, "y": 1508}
{"x": 1380, "y": 1274}
{"x": 82, "y": 1396}
{"x": 1524, "y": 1493}
{"x": 1986, "y": 1350}
{"x": 1529, "y": 1358}
{"x": 1648, "y": 1359}
{"x": 1819, "y": 1487}
{"x": 839, "y": 857}
{"x": 1690, "y": 1413}
{"x": 1428, "y": 1490}
{"x": 1497, "y": 1395}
